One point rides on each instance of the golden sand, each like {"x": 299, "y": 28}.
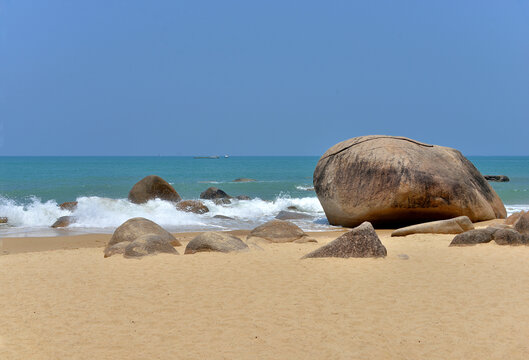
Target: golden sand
{"x": 441, "y": 303}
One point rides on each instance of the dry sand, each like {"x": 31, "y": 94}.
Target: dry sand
{"x": 441, "y": 303}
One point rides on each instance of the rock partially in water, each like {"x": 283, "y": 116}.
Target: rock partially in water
{"x": 3, "y": 220}
{"x": 497, "y": 178}
{"x": 360, "y": 242}
{"x": 152, "y": 187}
{"x": 69, "y": 205}
{"x": 244, "y": 180}
{"x": 291, "y": 215}
{"x": 243, "y": 197}
{"x": 193, "y": 206}
{"x": 212, "y": 193}
{"x": 64, "y": 221}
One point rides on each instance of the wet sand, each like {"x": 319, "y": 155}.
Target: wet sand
{"x": 60, "y": 299}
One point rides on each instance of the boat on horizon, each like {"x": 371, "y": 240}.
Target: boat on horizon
{"x": 207, "y": 157}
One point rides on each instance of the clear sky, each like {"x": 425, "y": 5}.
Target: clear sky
{"x": 261, "y": 77}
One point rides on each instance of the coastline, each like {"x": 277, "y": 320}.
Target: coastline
{"x": 441, "y": 302}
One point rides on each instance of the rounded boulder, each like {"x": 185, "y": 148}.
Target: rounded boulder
{"x": 152, "y": 187}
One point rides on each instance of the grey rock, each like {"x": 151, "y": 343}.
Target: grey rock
{"x": 277, "y": 231}
{"x": 215, "y": 241}
{"x": 360, "y": 242}
{"x": 243, "y": 197}
{"x": 224, "y": 217}
{"x": 497, "y": 178}
{"x": 473, "y": 237}
{"x": 291, "y": 215}
{"x": 244, "y": 180}
{"x": 221, "y": 201}
{"x": 508, "y": 237}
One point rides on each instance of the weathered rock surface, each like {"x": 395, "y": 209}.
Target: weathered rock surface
{"x": 522, "y": 224}
{"x": 115, "y": 249}
{"x": 243, "y": 197}
{"x": 194, "y": 206}
{"x": 215, "y": 241}
{"x": 390, "y": 181}
{"x": 148, "y": 244}
{"x": 277, "y": 231}
{"x": 63, "y": 221}
{"x": 152, "y": 187}
{"x": 497, "y": 178}
{"x": 291, "y": 215}
{"x": 473, "y": 237}
{"x": 244, "y": 180}
{"x": 69, "y": 205}
{"x": 214, "y": 193}
{"x": 133, "y": 228}
{"x": 456, "y": 225}
{"x": 508, "y": 237}
{"x": 360, "y": 242}
{"x": 514, "y": 217}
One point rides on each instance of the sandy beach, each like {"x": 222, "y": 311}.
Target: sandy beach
{"x": 62, "y": 300}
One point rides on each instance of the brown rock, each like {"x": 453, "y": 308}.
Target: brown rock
{"x": 148, "y": 244}
{"x": 522, "y": 224}
{"x": 215, "y": 241}
{"x": 456, "y": 225}
{"x": 115, "y": 249}
{"x": 214, "y": 193}
{"x": 3, "y": 220}
{"x": 514, "y": 217}
{"x": 194, "y": 206}
{"x": 473, "y": 237}
{"x": 133, "y": 228}
{"x": 243, "y": 197}
{"x": 291, "y": 215}
{"x": 63, "y": 221}
{"x": 360, "y": 242}
{"x": 152, "y": 187}
{"x": 69, "y": 205}
{"x": 277, "y": 231}
{"x": 391, "y": 181}
{"x": 508, "y": 237}
{"x": 221, "y": 201}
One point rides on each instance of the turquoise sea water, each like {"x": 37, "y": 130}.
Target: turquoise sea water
{"x": 31, "y": 188}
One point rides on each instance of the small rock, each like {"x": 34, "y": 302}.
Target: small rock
{"x": 214, "y": 193}
{"x": 215, "y": 241}
{"x": 276, "y": 231}
{"x": 221, "y": 201}
{"x": 473, "y": 237}
{"x": 403, "y": 256}
{"x": 224, "y": 217}
{"x": 522, "y": 224}
{"x": 3, "y": 220}
{"x": 148, "y": 244}
{"x": 497, "y": 178}
{"x": 244, "y": 180}
{"x": 360, "y": 242}
{"x": 194, "y": 206}
{"x": 291, "y": 215}
{"x": 243, "y": 197}
{"x": 508, "y": 237}
{"x": 69, "y": 205}
{"x": 63, "y": 221}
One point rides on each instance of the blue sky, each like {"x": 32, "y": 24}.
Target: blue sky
{"x": 261, "y": 78}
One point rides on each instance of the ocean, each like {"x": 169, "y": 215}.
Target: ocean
{"x": 32, "y": 187}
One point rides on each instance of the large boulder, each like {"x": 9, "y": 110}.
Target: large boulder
{"x": 133, "y": 228}
{"x": 63, "y": 221}
{"x": 450, "y": 226}
{"x": 215, "y": 241}
{"x": 278, "y": 231}
{"x": 212, "y": 193}
{"x": 148, "y": 244}
{"x": 360, "y": 242}
{"x": 194, "y": 206}
{"x": 391, "y": 181}
{"x": 152, "y": 187}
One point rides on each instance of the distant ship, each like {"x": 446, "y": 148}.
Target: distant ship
{"x": 207, "y": 157}
{"x": 226, "y": 156}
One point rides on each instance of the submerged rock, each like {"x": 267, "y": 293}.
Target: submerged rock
{"x": 244, "y": 180}
{"x": 291, "y": 215}
{"x": 221, "y": 201}
{"x": 497, "y": 178}
{"x": 360, "y": 242}
{"x": 223, "y": 217}
{"x": 214, "y": 193}
{"x": 215, "y": 241}
{"x": 194, "y": 206}
{"x": 243, "y": 197}
{"x": 69, "y": 205}
{"x": 456, "y": 225}
{"x": 278, "y": 231}
{"x": 152, "y": 187}
{"x": 391, "y": 181}
{"x": 148, "y": 244}
{"x": 64, "y": 221}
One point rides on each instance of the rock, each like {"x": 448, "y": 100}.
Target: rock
{"x": 148, "y": 244}
{"x": 277, "y": 231}
{"x": 294, "y": 208}
{"x": 215, "y": 241}
{"x": 152, "y": 187}
{"x": 214, "y": 193}
{"x": 473, "y": 237}
{"x": 63, "y": 221}
{"x": 244, "y": 180}
{"x": 291, "y": 215}
{"x": 522, "y": 224}
{"x": 508, "y": 237}
{"x": 243, "y": 197}
{"x": 3, "y": 220}
{"x": 403, "y": 256}
{"x": 360, "y": 242}
{"x": 497, "y": 178}
{"x": 115, "y": 249}
{"x": 133, "y": 228}
{"x": 514, "y": 217}
{"x": 223, "y": 217}
{"x": 451, "y": 226}
{"x": 69, "y": 205}
{"x": 391, "y": 181}
{"x": 194, "y": 206}
{"x": 221, "y": 201}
